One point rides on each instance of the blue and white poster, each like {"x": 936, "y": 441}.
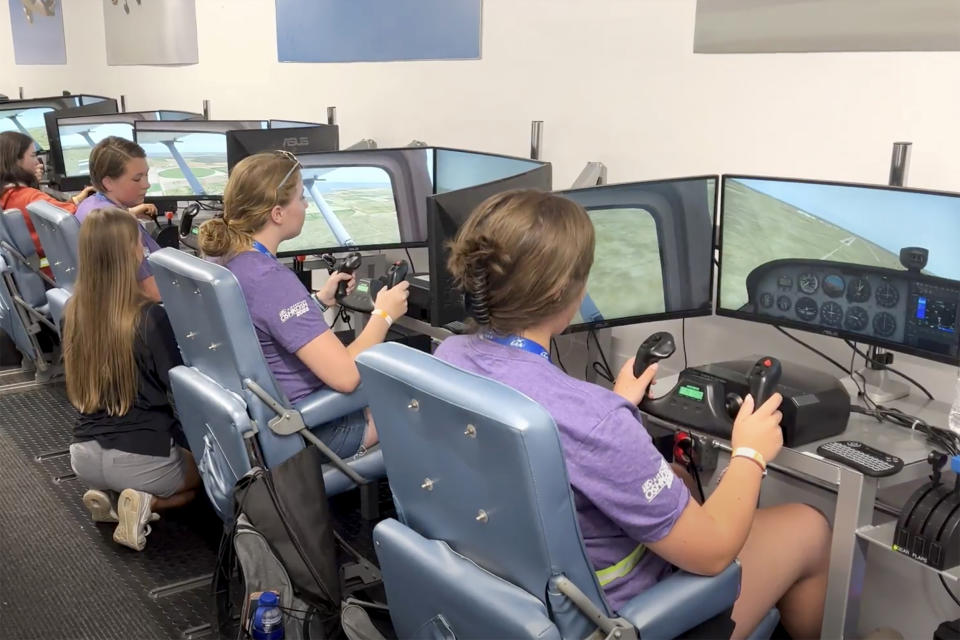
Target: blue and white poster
{"x": 377, "y": 30}
{"x": 37, "y": 27}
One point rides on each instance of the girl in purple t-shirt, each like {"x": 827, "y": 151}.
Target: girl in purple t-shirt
{"x": 523, "y": 258}
{"x": 263, "y": 205}
{"x": 118, "y": 169}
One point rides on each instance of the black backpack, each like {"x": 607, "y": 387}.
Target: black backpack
{"x": 283, "y": 539}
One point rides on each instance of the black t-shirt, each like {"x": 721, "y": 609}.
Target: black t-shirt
{"x": 149, "y": 425}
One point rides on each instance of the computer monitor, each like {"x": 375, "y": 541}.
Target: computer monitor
{"x": 364, "y": 199}
{"x": 76, "y": 136}
{"x": 27, "y": 116}
{"x": 298, "y": 140}
{"x": 448, "y": 211}
{"x": 293, "y": 124}
{"x": 188, "y": 159}
{"x": 653, "y": 253}
{"x": 53, "y": 136}
{"x": 872, "y": 264}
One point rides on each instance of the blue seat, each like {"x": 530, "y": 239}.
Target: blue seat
{"x": 25, "y": 311}
{"x": 487, "y": 543}
{"x": 217, "y": 339}
{"x": 58, "y": 232}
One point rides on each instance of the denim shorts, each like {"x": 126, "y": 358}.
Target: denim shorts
{"x": 115, "y": 470}
{"x": 344, "y": 435}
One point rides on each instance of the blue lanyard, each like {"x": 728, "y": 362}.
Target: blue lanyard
{"x": 262, "y": 249}
{"x": 517, "y": 343}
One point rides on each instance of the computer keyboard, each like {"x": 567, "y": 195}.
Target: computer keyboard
{"x": 859, "y": 456}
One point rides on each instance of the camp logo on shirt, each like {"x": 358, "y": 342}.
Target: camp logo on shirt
{"x": 294, "y": 311}
{"x": 656, "y": 484}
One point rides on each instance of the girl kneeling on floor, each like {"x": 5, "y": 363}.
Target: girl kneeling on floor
{"x": 118, "y": 349}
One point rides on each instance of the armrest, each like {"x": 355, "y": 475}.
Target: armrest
{"x": 325, "y": 405}
{"x": 369, "y": 466}
{"x": 655, "y": 611}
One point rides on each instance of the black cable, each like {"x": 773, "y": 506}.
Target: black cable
{"x": 413, "y": 269}
{"x": 814, "y": 349}
{"x": 683, "y": 339}
{"x": 598, "y": 369}
{"x": 607, "y": 372}
{"x": 696, "y": 476}
{"x": 556, "y": 351}
{"x": 890, "y": 369}
{"x": 952, "y": 595}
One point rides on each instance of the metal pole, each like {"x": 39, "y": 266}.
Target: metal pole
{"x": 206, "y": 109}
{"x": 331, "y": 115}
{"x": 900, "y": 163}
{"x": 875, "y": 375}
{"x": 536, "y": 139}
{"x": 123, "y": 103}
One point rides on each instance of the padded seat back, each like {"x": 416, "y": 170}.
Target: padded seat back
{"x": 58, "y": 232}
{"x": 478, "y": 465}
{"x": 209, "y": 316}
{"x": 214, "y": 421}
{"x": 11, "y": 318}
{"x": 14, "y": 231}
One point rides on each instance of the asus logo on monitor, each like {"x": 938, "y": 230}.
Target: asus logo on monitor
{"x": 301, "y": 141}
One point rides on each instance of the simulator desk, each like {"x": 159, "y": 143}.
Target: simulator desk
{"x": 853, "y": 529}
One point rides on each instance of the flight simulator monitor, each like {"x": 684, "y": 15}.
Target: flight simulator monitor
{"x": 77, "y": 135}
{"x": 364, "y": 199}
{"x": 448, "y": 211}
{"x": 55, "y": 157}
{"x": 188, "y": 159}
{"x": 300, "y": 140}
{"x": 872, "y": 264}
{"x": 653, "y": 257}
{"x": 27, "y": 116}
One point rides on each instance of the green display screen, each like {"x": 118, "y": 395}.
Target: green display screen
{"x": 363, "y": 287}
{"x": 692, "y": 392}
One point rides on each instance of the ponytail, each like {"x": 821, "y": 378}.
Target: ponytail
{"x": 218, "y": 238}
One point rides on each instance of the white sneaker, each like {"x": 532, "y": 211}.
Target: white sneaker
{"x": 99, "y": 505}
{"x": 133, "y": 510}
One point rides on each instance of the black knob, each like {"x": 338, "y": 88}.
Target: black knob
{"x": 654, "y": 349}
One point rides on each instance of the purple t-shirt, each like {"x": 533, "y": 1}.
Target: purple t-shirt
{"x": 624, "y": 490}
{"x": 285, "y": 316}
{"x": 100, "y": 201}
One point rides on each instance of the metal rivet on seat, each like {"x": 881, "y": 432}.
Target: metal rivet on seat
{"x": 213, "y": 346}
{"x": 482, "y": 516}
{"x": 192, "y": 335}
{"x": 197, "y": 291}
{"x": 414, "y": 405}
{"x": 427, "y": 484}
{"x": 471, "y": 431}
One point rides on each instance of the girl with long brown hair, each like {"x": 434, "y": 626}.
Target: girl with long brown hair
{"x": 118, "y": 348}
{"x": 20, "y": 171}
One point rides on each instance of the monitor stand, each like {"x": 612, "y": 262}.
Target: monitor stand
{"x": 877, "y": 381}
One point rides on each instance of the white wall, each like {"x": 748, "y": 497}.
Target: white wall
{"x": 614, "y": 80}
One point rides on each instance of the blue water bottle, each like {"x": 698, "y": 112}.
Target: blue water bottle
{"x": 267, "y": 619}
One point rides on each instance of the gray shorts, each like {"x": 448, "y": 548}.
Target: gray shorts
{"x": 115, "y": 470}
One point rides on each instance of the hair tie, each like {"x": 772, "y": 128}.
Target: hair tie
{"x": 479, "y": 296}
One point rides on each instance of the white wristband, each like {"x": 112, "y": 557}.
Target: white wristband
{"x": 383, "y": 314}
{"x": 752, "y": 454}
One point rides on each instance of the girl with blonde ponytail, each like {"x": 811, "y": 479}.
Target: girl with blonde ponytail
{"x": 263, "y": 205}
{"x": 118, "y": 348}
